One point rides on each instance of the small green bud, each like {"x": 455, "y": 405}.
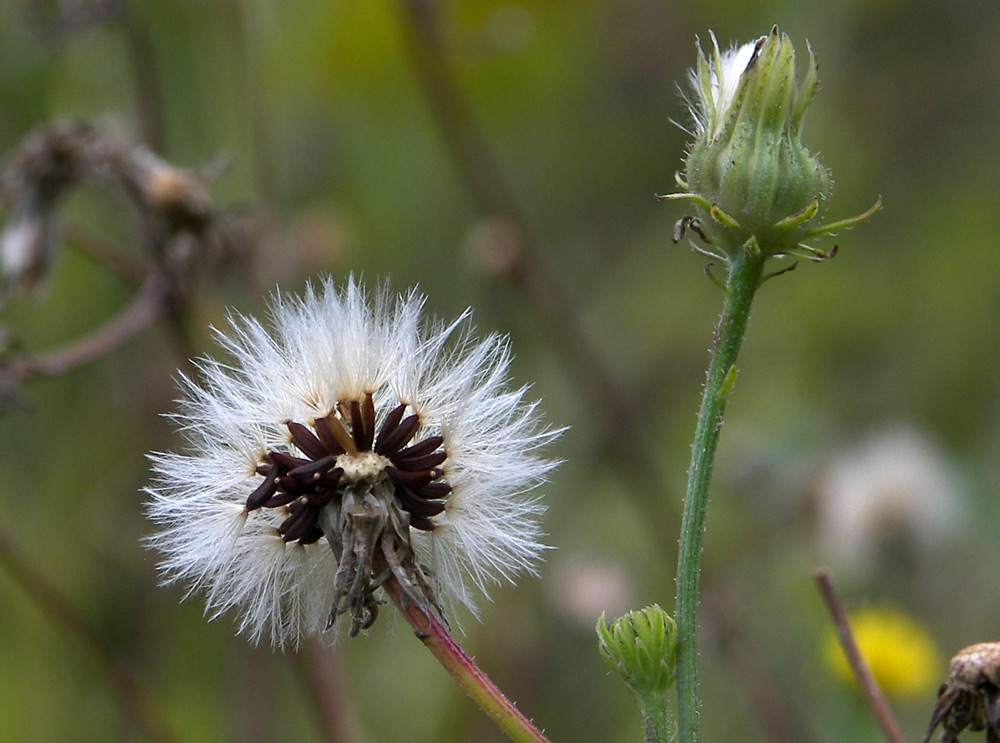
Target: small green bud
{"x": 642, "y": 648}
{"x": 755, "y": 185}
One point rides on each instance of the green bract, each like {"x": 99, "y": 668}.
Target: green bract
{"x": 642, "y": 648}
{"x": 755, "y": 185}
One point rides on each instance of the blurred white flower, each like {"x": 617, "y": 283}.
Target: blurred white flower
{"x": 346, "y": 443}
{"x": 894, "y": 487}
{"x": 582, "y": 588}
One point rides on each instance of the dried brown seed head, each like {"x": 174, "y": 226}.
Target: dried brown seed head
{"x": 970, "y": 698}
{"x": 976, "y": 665}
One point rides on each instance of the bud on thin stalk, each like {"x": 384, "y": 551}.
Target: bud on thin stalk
{"x": 757, "y": 191}
{"x": 642, "y": 649}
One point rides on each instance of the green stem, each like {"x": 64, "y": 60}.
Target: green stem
{"x": 744, "y": 278}
{"x": 656, "y": 718}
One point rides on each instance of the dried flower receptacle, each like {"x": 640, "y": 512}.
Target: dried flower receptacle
{"x": 970, "y": 698}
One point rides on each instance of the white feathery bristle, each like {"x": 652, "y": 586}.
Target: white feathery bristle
{"x": 327, "y": 346}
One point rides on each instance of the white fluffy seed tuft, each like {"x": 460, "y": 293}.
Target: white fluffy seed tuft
{"x": 324, "y": 347}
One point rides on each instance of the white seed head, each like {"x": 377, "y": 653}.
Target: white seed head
{"x": 257, "y": 416}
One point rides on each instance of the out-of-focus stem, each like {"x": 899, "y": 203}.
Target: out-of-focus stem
{"x": 245, "y": 33}
{"x": 322, "y": 670}
{"x": 102, "y": 251}
{"x": 469, "y": 676}
{"x": 744, "y": 278}
{"x": 489, "y": 187}
{"x": 869, "y": 686}
{"x": 148, "y": 90}
{"x": 146, "y": 306}
{"x": 133, "y": 698}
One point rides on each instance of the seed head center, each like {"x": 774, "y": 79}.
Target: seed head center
{"x": 364, "y": 466}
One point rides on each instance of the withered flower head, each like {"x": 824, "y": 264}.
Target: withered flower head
{"x": 349, "y": 443}
{"x": 970, "y": 698}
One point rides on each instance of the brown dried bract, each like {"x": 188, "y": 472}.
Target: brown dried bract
{"x": 970, "y": 698}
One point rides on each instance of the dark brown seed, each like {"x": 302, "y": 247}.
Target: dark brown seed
{"x": 368, "y": 419}
{"x": 296, "y": 525}
{"x": 306, "y": 440}
{"x": 286, "y": 462}
{"x": 264, "y": 491}
{"x": 287, "y": 524}
{"x": 320, "y": 498}
{"x": 327, "y": 437}
{"x": 357, "y": 424}
{"x": 422, "y": 522}
{"x": 415, "y": 464}
{"x": 424, "y": 447}
{"x": 280, "y": 499}
{"x": 399, "y": 438}
{"x": 412, "y": 479}
{"x": 434, "y": 490}
{"x": 293, "y": 486}
{"x": 313, "y": 468}
{"x": 416, "y": 505}
{"x": 329, "y": 480}
{"x": 389, "y": 425}
{"x": 312, "y": 535}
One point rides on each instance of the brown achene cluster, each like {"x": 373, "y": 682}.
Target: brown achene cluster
{"x": 363, "y": 490}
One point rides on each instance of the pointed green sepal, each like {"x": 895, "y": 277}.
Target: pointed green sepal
{"x": 802, "y": 217}
{"x": 844, "y": 224}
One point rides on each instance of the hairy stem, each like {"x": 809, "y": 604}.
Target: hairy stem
{"x": 469, "y": 676}
{"x": 744, "y": 278}
{"x": 656, "y": 722}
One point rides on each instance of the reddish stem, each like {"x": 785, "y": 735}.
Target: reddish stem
{"x": 469, "y": 676}
{"x": 145, "y": 307}
{"x": 869, "y": 687}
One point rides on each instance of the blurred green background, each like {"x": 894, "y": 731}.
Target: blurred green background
{"x": 864, "y": 432}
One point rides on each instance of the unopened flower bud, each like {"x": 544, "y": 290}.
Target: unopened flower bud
{"x": 754, "y": 183}
{"x": 642, "y": 648}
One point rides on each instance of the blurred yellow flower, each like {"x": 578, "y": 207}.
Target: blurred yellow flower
{"x": 900, "y": 651}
